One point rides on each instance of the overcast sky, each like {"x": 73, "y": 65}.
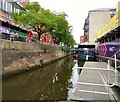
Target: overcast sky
{"x": 77, "y": 11}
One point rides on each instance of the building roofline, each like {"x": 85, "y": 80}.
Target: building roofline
{"x": 103, "y": 10}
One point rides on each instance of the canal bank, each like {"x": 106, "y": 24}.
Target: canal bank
{"x": 19, "y": 56}
{"x": 51, "y": 83}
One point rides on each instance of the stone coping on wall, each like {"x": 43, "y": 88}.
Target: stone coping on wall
{"x": 23, "y": 46}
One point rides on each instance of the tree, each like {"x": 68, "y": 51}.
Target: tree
{"x": 40, "y": 20}
{"x": 63, "y": 32}
{"x": 35, "y": 18}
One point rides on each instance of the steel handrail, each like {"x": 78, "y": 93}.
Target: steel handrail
{"x": 106, "y": 84}
{"x": 116, "y": 72}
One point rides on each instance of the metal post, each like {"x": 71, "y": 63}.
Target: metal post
{"x": 86, "y": 57}
{"x": 115, "y": 62}
{"x": 116, "y": 74}
{"x": 10, "y": 37}
{"x": 108, "y": 67}
{"x": 115, "y": 36}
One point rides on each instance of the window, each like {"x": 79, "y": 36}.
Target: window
{"x": 1, "y": 5}
{"x": 14, "y": 9}
{"x": 4, "y": 6}
{"x": 9, "y": 7}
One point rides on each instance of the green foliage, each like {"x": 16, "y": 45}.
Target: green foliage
{"x": 40, "y": 20}
{"x": 45, "y": 50}
{"x": 34, "y": 6}
{"x": 41, "y": 62}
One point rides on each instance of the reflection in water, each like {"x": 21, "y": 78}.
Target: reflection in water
{"x": 75, "y": 75}
{"x": 55, "y": 78}
{"x": 76, "y": 72}
{"x": 53, "y": 82}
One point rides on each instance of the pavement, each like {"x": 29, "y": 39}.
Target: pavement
{"x": 92, "y": 83}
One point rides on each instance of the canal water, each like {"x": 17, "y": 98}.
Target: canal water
{"x": 53, "y": 82}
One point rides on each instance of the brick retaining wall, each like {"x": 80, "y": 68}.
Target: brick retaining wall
{"x": 20, "y": 56}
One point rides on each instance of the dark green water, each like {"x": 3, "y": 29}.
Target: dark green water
{"x": 52, "y": 82}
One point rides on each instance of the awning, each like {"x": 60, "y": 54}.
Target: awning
{"x": 21, "y": 34}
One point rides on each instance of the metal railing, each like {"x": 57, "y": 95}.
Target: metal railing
{"x": 116, "y": 71}
{"x": 107, "y": 83}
